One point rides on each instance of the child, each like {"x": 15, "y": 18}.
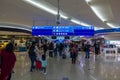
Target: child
{"x": 41, "y": 50}
{"x": 44, "y": 63}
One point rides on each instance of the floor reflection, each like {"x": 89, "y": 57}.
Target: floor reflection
{"x": 102, "y": 68}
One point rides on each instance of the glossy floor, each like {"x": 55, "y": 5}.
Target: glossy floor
{"x": 102, "y": 68}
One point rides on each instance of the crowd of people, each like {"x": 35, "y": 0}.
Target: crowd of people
{"x": 38, "y": 55}
{"x": 52, "y": 49}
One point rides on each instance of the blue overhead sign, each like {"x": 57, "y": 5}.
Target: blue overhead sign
{"x": 107, "y": 30}
{"x": 63, "y": 30}
{"x": 41, "y": 30}
{"x": 84, "y": 31}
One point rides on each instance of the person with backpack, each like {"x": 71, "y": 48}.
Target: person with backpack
{"x": 32, "y": 55}
{"x": 8, "y": 60}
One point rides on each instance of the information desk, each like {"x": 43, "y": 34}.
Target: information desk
{"x": 110, "y": 54}
{"x": 110, "y": 51}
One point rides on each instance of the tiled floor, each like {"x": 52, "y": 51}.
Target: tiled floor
{"x": 102, "y": 68}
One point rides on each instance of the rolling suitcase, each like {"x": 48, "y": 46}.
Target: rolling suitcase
{"x": 38, "y": 64}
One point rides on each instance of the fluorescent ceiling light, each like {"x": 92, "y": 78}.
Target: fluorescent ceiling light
{"x": 82, "y": 23}
{"x": 75, "y": 21}
{"x": 78, "y": 22}
{"x": 51, "y": 9}
{"x": 15, "y": 27}
{"x": 63, "y": 16}
{"x": 96, "y": 28}
{"x": 101, "y": 28}
{"x": 88, "y": 0}
{"x": 41, "y": 6}
{"x": 14, "y": 24}
{"x": 103, "y": 12}
{"x": 111, "y": 25}
{"x": 98, "y": 13}
{"x": 45, "y": 7}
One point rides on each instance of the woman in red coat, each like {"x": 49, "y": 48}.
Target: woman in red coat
{"x": 8, "y": 62}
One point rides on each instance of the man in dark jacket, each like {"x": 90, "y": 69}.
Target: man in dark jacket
{"x": 97, "y": 48}
{"x": 51, "y": 48}
{"x": 45, "y": 47}
{"x": 87, "y": 50}
{"x": 32, "y": 55}
{"x": 61, "y": 47}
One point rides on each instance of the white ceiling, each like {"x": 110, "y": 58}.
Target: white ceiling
{"x": 19, "y": 12}
{"x": 80, "y": 10}
{"x": 115, "y": 5}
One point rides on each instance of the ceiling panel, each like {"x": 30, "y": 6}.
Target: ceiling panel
{"x": 115, "y": 5}
{"x": 16, "y": 11}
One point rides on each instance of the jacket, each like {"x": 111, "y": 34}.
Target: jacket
{"x": 8, "y": 62}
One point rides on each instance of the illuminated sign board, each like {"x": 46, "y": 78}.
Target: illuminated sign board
{"x": 63, "y": 30}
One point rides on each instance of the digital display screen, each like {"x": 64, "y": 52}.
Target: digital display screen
{"x": 41, "y": 30}
{"x": 84, "y": 31}
{"x": 63, "y": 30}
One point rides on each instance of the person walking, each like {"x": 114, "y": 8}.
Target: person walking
{"x": 45, "y": 48}
{"x": 32, "y": 55}
{"x": 73, "y": 55}
{"x": 8, "y": 60}
{"x": 97, "y": 49}
{"x": 55, "y": 50}
{"x": 87, "y": 50}
{"x": 61, "y": 47}
{"x": 51, "y": 48}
